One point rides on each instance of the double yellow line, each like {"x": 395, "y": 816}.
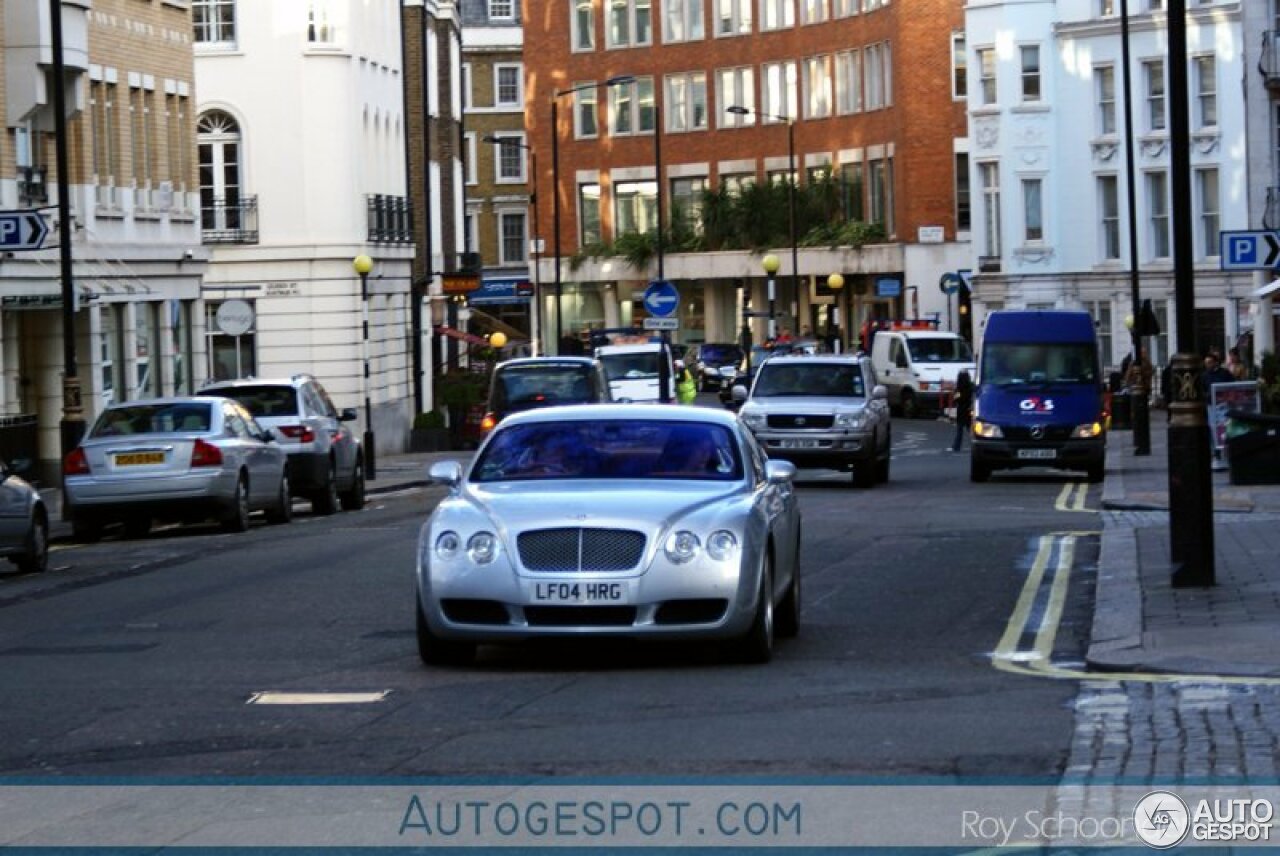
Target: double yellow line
{"x": 1072, "y": 497}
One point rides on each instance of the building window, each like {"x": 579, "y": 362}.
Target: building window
{"x": 179, "y": 142}
{"x": 1105, "y": 75}
{"x": 635, "y": 207}
{"x": 989, "y": 174}
{"x": 844, "y": 8}
{"x": 513, "y": 238}
{"x": 852, "y": 191}
{"x": 145, "y": 342}
{"x": 218, "y": 137}
{"x": 987, "y": 74}
{"x": 631, "y": 107}
{"x": 502, "y": 10}
{"x": 469, "y": 171}
{"x": 686, "y": 202}
{"x": 320, "y": 29}
{"x": 877, "y": 74}
{"x": 508, "y": 89}
{"x": 230, "y": 357}
{"x": 1030, "y": 72}
{"x": 214, "y": 21}
{"x": 144, "y": 144}
{"x": 959, "y": 66}
{"x": 686, "y": 102}
{"x": 102, "y": 98}
{"x": 964, "y": 217}
{"x": 1153, "y": 70}
{"x": 1106, "y": 8}
{"x": 630, "y": 23}
{"x": 683, "y": 21}
{"x": 736, "y": 88}
{"x": 1100, "y": 312}
{"x": 817, "y": 87}
{"x": 584, "y": 111}
{"x": 736, "y": 182}
{"x": 467, "y": 99}
{"x": 1032, "y": 210}
{"x": 111, "y": 346}
{"x": 509, "y": 163}
{"x": 1109, "y": 207}
{"x": 1206, "y": 91}
{"x": 777, "y": 14}
{"x": 1209, "y": 203}
{"x": 813, "y": 11}
{"x": 882, "y": 194}
{"x": 778, "y": 96}
{"x": 849, "y": 82}
{"x": 733, "y": 17}
{"x": 1158, "y": 213}
{"x": 588, "y": 214}
{"x": 583, "y": 25}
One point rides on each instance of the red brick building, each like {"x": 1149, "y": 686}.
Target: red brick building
{"x": 877, "y": 100}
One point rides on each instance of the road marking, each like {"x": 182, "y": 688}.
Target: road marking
{"x": 270, "y": 697}
{"x": 1065, "y": 501}
{"x": 1038, "y": 613}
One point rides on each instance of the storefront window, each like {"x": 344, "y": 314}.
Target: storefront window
{"x": 231, "y": 356}
{"x": 180, "y": 322}
{"x": 144, "y": 348}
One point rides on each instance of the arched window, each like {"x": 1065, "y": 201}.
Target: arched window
{"x": 218, "y": 136}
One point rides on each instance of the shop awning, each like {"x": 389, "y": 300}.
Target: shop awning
{"x": 490, "y": 324}
{"x": 498, "y": 291}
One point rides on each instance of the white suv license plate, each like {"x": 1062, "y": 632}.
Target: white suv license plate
{"x": 579, "y": 592}
{"x": 798, "y": 444}
{"x": 1037, "y": 454}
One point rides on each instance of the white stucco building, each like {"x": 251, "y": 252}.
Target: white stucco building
{"x": 302, "y": 159}
{"x": 1262, "y": 102}
{"x": 1048, "y": 162}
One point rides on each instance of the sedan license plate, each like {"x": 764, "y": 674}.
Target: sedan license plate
{"x": 138, "y": 459}
{"x": 1037, "y": 454}
{"x": 579, "y": 592}
{"x": 797, "y": 444}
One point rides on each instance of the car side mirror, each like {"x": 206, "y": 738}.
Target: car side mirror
{"x": 879, "y": 393}
{"x": 348, "y": 414}
{"x": 446, "y": 473}
{"x": 738, "y": 393}
{"x": 778, "y": 472}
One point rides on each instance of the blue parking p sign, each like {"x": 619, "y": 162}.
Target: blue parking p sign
{"x": 1257, "y": 250}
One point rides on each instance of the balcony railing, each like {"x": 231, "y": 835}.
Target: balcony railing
{"x": 389, "y": 219}
{"x": 1269, "y": 64}
{"x": 1271, "y": 217}
{"x": 225, "y": 221}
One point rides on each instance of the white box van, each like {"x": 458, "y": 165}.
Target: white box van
{"x": 632, "y": 371}
{"x": 919, "y": 367}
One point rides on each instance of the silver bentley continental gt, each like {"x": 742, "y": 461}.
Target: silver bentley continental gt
{"x": 644, "y": 521}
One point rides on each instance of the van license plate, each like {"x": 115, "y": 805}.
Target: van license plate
{"x": 1037, "y": 454}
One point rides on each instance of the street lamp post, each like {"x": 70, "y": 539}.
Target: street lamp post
{"x": 771, "y": 264}
{"x": 835, "y": 282}
{"x": 537, "y": 256}
{"x": 1140, "y": 414}
{"x": 555, "y": 181}
{"x": 362, "y": 265}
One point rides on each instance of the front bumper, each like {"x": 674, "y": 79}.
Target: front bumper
{"x": 1066, "y": 454}
{"x": 825, "y": 449}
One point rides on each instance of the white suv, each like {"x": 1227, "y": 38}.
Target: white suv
{"x": 326, "y": 462}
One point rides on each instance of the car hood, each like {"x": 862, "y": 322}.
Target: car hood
{"x": 815, "y": 404}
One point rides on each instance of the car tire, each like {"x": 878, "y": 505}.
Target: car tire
{"x": 86, "y": 530}
{"x": 35, "y": 560}
{"x": 787, "y": 623}
{"x": 978, "y": 471}
{"x": 282, "y": 512}
{"x": 236, "y": 518}
{"x": 908, "y": 405}
{"x": 434, "y": 651}
{"x": 756, "y": 645}
{"x": 353, "y": 499}
{"x": 1096, "y": 473}
{"x": 326, "y": 500}
{"x": 138, "y": 526}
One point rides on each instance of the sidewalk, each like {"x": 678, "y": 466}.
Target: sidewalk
{"x": 1141, "y": 623}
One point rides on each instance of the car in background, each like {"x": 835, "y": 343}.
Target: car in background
{"x": 174, "y": 459}
{"x": 24, "y": 523}
{"x": 326, "y": 460}
{"x": 533, "y": 382}
{"x": 824, "y": 410}
{"x": 747, "y": 368}
{"x": 623, "y": 521}
{"x": 634, "y": 370}
{"x": 714, "y": 364}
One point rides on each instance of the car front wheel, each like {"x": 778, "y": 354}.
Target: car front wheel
{"x": 353, "y": 499}
{"x": 435, "y": 651}
{"x": 756, "y": 646}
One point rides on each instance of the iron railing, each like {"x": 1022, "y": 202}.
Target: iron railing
{"x": 234, "y": 221}
{"x": 390, "y": 221}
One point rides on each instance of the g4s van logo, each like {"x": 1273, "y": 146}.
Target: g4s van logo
{"x": 1036, "y": 405}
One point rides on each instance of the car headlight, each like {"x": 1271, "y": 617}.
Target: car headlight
{"x": 728, "y": 371}
{"x": 482, "y": 547}
{"x": 682, "y": 546}
{"x": 1089, "y": 429}
{"x": 849, "y": 420}
{"x": 986, "y": 429}
{"x": 448, "y": 544}
{"x": 753, "y": 420}
{"x": 722, "y": 545}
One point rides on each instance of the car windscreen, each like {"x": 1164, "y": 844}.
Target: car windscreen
{"x": 940, "y": 350}
{"x": 1005, "y": 363}
{"x": 525, "y": 387}
{"x": 778, "y": 378}
{"x": 623, "y": 450}
{"x": 174, "y": 418}
{"x": 720, "y": 355}
{"x": 636, "y": 365}
{"x": 263, "y": 401}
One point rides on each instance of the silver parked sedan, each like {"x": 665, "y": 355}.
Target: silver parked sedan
{"x": 611, "y": 520}
{"x": 175, "y": 459}
{"x": 24, "y": 523}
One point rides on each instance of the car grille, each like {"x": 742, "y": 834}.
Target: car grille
{"x": 800, "y": 421}
{"x": 1050, "y": 433}
{"x": 575, "y": 549}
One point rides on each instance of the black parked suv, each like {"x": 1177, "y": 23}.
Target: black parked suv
{"x": 326, "y": 461}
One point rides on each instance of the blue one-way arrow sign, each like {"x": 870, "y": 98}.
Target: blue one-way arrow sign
{"x": 22, "y": 230}
{"x": 1259, "y": 250}
{"x": 661, "y": 299}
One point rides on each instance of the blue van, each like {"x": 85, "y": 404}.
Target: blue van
{"x": 1039, "y": 401}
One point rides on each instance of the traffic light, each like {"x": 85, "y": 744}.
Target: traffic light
{"x": 964, "y": 299}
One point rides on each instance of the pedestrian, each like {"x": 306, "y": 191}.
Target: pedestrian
{"x": 686, "y": 385}
{"x": 1214, "y": 372}
{"x": 1236, "y": 366}
{"x": 964, "y": 407}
